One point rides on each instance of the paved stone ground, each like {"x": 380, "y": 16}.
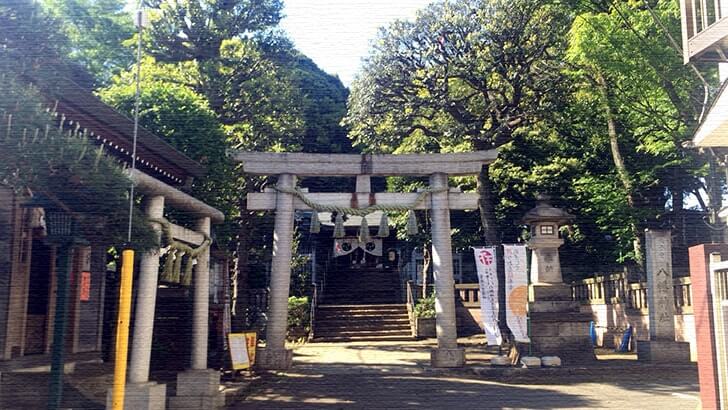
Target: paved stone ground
{"x": 396, "y": 375}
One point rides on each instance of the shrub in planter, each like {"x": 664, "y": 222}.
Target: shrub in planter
{"x": 424, "y": 313}
{"x": 299, "y": 316}
{"x": 425, "y": 308}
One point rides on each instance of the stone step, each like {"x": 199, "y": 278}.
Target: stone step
{"x": 363, "y": 338}
{"x": 359, "y": 315}
{"x": 360, "y": 301}
{"x": 378, "y": 306}
{"x": 365, "y": 333}
{"x": 354, "y": 315}
{"x": 370, "y": 330}
{"x": 368, "y": 320}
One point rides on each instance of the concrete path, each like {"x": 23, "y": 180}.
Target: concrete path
{"x": 396, "y": 375}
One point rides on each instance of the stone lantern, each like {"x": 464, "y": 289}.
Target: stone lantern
{"x": 557, "y": 326}
{"x": 545, "y": 241}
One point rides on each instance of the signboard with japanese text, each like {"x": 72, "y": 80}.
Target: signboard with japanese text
{"x": 242, "y": 349}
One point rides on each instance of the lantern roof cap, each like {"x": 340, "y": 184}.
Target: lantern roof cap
{"x": 545, "y": 212}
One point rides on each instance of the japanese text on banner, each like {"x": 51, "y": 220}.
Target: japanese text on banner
{"x": 485, "y": 261}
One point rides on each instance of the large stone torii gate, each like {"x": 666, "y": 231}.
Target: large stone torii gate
{"x": 288, "y": 166}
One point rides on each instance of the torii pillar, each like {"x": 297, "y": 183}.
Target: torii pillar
{"x": 437, "y": 167}
{"x": 447, "y": 353}
{"x": 275, "y": 356}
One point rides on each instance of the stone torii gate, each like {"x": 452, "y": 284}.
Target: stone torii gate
{"x": 441, "y": 199}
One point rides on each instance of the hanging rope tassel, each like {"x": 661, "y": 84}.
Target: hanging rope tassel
{"x": 339, "y": 231}
{"x": 411, "y": 223}
{"x": 177, "y": 267}
{"x": 364, "y": 230}
{"x": 315, "y": 223}
{"x": 187, "y": 277}
{"x": 168, "y": 273}
{"x": 383, "y": 226}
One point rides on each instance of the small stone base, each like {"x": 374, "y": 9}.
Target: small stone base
{"x": 198, "y": 390}
{"x": 141, "y": 396}
{"x": 551, "y": 361}
{"x": 441, "y": 357}
{"x": 663, "y": 351}
{"x": 500, "y": 360}
{"x": 273, "y": 359}
{"x": 530, "y": 362}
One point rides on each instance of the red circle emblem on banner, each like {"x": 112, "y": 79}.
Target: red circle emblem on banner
{"x": 486, "y": 258}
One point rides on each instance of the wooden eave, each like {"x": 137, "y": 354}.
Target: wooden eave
{"x": 115, "y": 131}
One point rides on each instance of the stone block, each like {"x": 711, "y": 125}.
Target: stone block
{"x": 500, "y": 360}
{"x": 196, "y": 402}
{"x": 550, "y": 292}
{"x": 442, "y": 357}
{"x": 141, "y": 396}
{"x": 204, "y": 382}
{"x": 573, "y": 350}
{"x": 663, "y": 351}
{"x": 273, "y": 359}
{"x": 530, "y": 362}
{"x": 553, "y": 306}
{"x": 197, "y": 390}
{"x": 548, "y": 329}
{"x": 575, "y": 329}
{"x": 551, "y": 361}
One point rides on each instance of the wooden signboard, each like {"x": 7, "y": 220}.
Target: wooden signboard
{"x": 85, "y": 286}
{"x": 242, "y": 349}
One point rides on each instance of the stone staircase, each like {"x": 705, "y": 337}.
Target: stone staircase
{"x": 340, "y": 323}
{"x": 362, "y": 304}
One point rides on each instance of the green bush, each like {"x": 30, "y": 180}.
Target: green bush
{"x": 425, "y": 307}
{"x": 299, "y": 312}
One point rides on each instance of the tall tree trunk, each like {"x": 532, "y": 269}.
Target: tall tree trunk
{"x": 240, "y": 282}
{"x": 491, "y": 234}
{"x": 715, "y": 196}
{"x": 621, "y": 168}
{"x": 677, "y": 212}
{"x": 426, "y": 261}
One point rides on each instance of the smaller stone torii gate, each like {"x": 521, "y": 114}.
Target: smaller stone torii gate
{"x": 441, "y": 199}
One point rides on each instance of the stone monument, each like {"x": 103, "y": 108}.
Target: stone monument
{"x": 557, "y": 326}
{"x": 661, "y": 347}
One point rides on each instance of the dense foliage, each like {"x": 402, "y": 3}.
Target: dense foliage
{"x": 587, "y": 101}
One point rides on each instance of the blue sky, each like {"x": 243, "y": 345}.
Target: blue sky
{"x": 336, "y": 34}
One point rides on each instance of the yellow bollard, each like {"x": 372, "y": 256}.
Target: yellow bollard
{"x": 122, "y": 329}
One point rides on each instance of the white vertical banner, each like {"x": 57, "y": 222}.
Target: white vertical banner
{"x": 516, "y": 291}
{"x": 485, "y": 261}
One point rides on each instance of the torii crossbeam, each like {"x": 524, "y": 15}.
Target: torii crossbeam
{"x": 287, "y": 166}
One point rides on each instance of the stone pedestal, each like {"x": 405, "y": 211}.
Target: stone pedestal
{"x": 273, "y": 359}
{"x": 198, "y": 390}
{"x": 141, "y": 396}
{"x": 443, "y": 357}
{"x": 663, "y": 351}
{"x": 557, "y": 326}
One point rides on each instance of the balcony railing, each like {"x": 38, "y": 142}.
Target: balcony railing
{"x": 704, "y": 29}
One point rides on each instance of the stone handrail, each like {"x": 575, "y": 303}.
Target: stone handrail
{"x": 468, "y": 294}
{"x": 614, "y": 288}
